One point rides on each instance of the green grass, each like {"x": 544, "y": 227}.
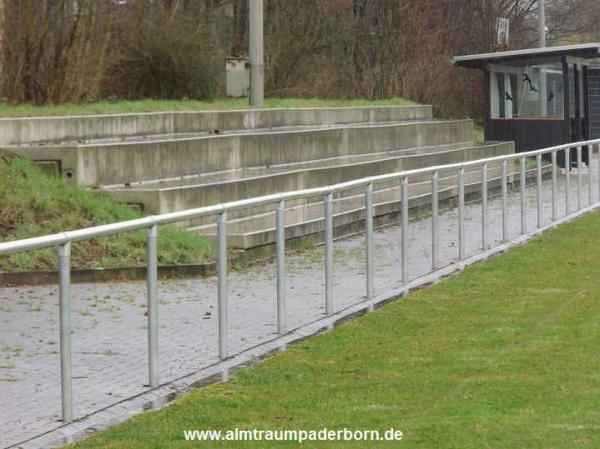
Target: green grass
{"x": 119, "y": 107}
{"x": 503, "y": 355}
{"x": 33, "y": 203}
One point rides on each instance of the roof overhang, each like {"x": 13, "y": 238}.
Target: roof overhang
{"x": 585, "y": 51}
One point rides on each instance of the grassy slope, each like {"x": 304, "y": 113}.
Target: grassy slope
{"x": 33, "y": 203}
{"x": 504, "y": 355}
{"x": 107, "y": 107}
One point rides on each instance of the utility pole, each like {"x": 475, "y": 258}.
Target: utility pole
{"x": 257, "y": 95}
{"x": 541, "y": 24}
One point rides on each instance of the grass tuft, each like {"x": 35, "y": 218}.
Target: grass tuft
{"x": 34, "y": 203}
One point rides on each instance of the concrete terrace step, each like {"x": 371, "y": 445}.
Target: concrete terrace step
{"x": 185, "y": 194}
{"x": 60, "y": 129}
{"x": 306, "y": 220}
{"x": 120, "y": 163}
{"x": 253, "y": 172}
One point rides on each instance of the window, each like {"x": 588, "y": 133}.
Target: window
{"x": 527, "y": 90}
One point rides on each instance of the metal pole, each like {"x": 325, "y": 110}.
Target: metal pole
{"x": 598, "y": 152}
{"x": 504, "y": 203}
{"x": 256, "y": 53}
{"x": 369, "y": 239}
{"x": 222, "y": 283}
{"x": 567, "y": 179}
{"x": 554, "y": 214}
{"x": 523, "y": 194}
{"x": 461, "y": 213}
{"x": 329, "y": 253}
{"x": 484, "y": 199}
{"x": 404, "y": 184}
{"x": 541, "y": 23}
{"x": 579, "y": 187}
{"x": 589, "y": 167}
{"x": 66, "y": 378}
{"x": 281, "y": 275}
{"x": 151, "y": 281}
{"x": 538, "y": 166}
{"x": 435, "y": 233}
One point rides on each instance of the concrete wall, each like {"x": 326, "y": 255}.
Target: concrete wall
{"x": 120, "y": 163}
{"x": 19, "y": 131}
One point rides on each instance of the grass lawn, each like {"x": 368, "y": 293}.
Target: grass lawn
{"x": 120, "y": 107}
{"x": 33, "y": 203}
{"x": 503, "y": 355}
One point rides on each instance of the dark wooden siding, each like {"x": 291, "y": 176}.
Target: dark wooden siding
{"x": 529, "y": 134}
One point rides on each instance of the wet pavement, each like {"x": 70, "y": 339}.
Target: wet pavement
{"x": 109, "y": 323}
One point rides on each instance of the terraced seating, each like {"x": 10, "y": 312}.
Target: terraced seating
{"x": 181, "y": 163}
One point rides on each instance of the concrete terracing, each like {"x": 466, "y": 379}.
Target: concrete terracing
{"x": 171, "y": 161}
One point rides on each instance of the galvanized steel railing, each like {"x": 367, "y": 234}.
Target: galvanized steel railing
{"x": 64, "y": 240}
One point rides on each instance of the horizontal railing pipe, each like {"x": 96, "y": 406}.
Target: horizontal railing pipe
{"x": 190, "y": 214}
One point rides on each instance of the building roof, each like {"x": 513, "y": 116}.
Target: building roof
{"x": 588, "y": 51}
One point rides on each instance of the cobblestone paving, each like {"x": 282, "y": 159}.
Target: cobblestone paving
{"x": 109, "y": 323}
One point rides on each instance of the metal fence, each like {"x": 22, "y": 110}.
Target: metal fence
{"x": 63, "y": 241}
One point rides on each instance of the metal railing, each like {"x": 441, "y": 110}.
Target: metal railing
{"x": 64, "y": 240}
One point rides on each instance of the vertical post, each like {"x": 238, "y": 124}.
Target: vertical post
{"x": 222, "y": 309}
{"x": 579, "y": 186}
{"x": 151, "y": 281}
{"x": 538, "y": 170}
{"x": 523, "y": 194}
{"x": 461, "y": 213}
{"x": 504, "y": 202}
{"x": 256, "y": 53}
{"x": 281, "y": 274}
{"x": 435, "y": 233}
{"x": 404, "y": 184}
{"x": 598, "y": 152}
{"x": 66, "y": 378}
{"x": 369, "y": 239}
{"x": 329, "y": 253}
{"x": 541, "y": 24}
{"x": 589, "y": 170}
{"x": 554, "y": 213}
{"x": 484, "y": 199}
{"x": 567, "y": 179}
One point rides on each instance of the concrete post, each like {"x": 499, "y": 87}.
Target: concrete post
{"x": 256, "y": 54}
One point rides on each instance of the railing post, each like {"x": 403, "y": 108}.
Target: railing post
{"x": 598, "y": 153}
{"x": 523, "y": 194}
{"x": 484, "y": 200}
{"x": 504, "y": 202}
{"x": 151, "y": 281}
{"x": 461, "y": 213}
{"x": 579, "y": 186}
{"x": 281, "y": 272}
{"x": 435, "y": 233}
{"x": 589, "y": 167}
{"x": 329, "y": 253}
{"x": 538, "y": 169}
{"x": 567, "y": 179}
{"x": 66, "y": 378}
{"x": 222, "y": 309}
{"x": 554, "y": 214}
{"x": 369, "y": 239}
{"x": 404, "y": 188}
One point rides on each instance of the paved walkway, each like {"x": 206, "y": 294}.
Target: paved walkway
{"x": 109, "y": 323}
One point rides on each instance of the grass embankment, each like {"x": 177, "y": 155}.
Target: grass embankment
{"x": 503, "y": 355}
{"x": 33, "y": 203}
{"x": 120, "y": 107}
